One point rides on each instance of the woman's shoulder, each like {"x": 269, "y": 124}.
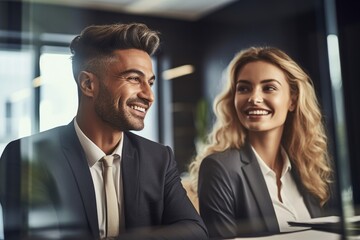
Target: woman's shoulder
{"x": 229, "y": 158}
{"x": 228, "y": 153}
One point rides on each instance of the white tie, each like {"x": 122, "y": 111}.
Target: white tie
{"x": 112, "y": 207}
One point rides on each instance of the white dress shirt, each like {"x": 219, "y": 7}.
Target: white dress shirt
{"x": 292, "y": 206}
{"x": 94, "y": 154}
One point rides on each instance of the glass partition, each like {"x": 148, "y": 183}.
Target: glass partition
{"x": 307, "y": 30}
{"x": 16, "y": 91}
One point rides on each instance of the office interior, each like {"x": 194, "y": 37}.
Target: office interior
{"x": 37, "y": 94}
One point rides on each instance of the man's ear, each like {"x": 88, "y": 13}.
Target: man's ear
{"x": 86, "y": 83}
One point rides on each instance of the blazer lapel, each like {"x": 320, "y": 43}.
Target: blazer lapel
{"x": 77, "y": 160}
{"x": 258, "y": 186}
{"x": 130, "y": 176}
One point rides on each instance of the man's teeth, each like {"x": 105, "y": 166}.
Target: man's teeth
{"x": 141, "y": 109}
{"x": 258, "y": 112}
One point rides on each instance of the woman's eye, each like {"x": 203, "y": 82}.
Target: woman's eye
{"x": 270, "y": 88}
{"x": 242, "y": 89}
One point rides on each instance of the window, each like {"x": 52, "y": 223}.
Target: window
{"x": 58, "y": 92}
{"x": 16, "y": 94}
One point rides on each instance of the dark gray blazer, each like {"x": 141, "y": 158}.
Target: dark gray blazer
{"x": 233, "y": 196}
{"x": 45, "y": 181}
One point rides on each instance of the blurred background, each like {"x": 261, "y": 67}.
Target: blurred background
{"x": 199, "y": 38}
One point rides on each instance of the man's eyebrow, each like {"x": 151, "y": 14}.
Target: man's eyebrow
{"x": 137, "y": 72}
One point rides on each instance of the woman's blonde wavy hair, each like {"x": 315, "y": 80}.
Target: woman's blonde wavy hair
{"x": 304, "y": 137}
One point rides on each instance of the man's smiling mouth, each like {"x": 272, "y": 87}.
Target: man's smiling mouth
{"x": 138, "y": 108}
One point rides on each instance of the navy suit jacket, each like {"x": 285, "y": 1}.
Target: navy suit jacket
{"x": 234, "y": 199}
{"x": 46, "y": 190}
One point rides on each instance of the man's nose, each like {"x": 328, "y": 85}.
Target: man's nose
{"x": 147, "y": 92}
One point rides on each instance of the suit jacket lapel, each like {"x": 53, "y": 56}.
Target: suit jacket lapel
{"x": 258, "y": 186}
{"x": 77, "y": 160}
{"x": 130, "y": 176}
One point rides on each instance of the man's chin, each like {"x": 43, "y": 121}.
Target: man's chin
{"x": 137, "y": 127}
{"x": 129, "y": 127}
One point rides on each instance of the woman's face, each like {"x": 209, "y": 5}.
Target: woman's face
{"x": 262, "y": 97}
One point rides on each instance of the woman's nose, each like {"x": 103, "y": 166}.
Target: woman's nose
{"x": 255, "y": 99}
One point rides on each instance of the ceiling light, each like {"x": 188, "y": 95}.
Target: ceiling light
{"x": 178, "y": 72}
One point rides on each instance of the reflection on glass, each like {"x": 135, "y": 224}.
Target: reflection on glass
{"x": 15, "y": 94}
{"x": 340, "y": 129}
{"x": 342, "y": 156}
{"x": 1, "y": 224}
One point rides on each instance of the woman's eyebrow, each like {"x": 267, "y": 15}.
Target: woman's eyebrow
{"x": 262, "y": 81}
{"x": 243, "y": 81}
{"x": 271, "y": 80}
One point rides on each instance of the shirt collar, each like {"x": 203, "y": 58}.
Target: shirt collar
{"x": 92, "y": 152}
{"x": 287, "y": 163}
{"x": 265, "y": 169}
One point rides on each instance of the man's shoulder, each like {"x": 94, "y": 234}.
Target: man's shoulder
{"x": 48, "y": 139}
{"x": 145, "y": 142}
{"x": 145, "y": 148}
{"x": 47, "y": 135}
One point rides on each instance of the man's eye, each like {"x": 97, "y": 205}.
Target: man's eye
{"x": 133, "y": 78}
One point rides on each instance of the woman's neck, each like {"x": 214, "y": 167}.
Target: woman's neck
{"x": 267, "y": 145}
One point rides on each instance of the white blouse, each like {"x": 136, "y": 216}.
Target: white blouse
{"x": 292, "y": 206}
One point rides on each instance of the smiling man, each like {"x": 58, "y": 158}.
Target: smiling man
{"x": 93, "y": 179}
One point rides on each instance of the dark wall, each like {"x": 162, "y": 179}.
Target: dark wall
{"x": 294, "y": 34}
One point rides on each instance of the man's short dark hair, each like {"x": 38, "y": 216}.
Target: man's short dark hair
{"x": 97, "y": 42}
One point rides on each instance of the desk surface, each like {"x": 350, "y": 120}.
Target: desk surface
{"x": 305, "y": 229}
{"x": 302, "y": 235}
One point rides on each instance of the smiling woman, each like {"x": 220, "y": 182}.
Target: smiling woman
{"x": 262, "y": 99}
{"x": 266, "y": 159}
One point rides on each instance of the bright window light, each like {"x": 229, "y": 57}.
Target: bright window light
{"x": 59, "y": 101}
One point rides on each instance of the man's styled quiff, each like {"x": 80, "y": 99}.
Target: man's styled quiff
{"x": 96, "y": 43}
